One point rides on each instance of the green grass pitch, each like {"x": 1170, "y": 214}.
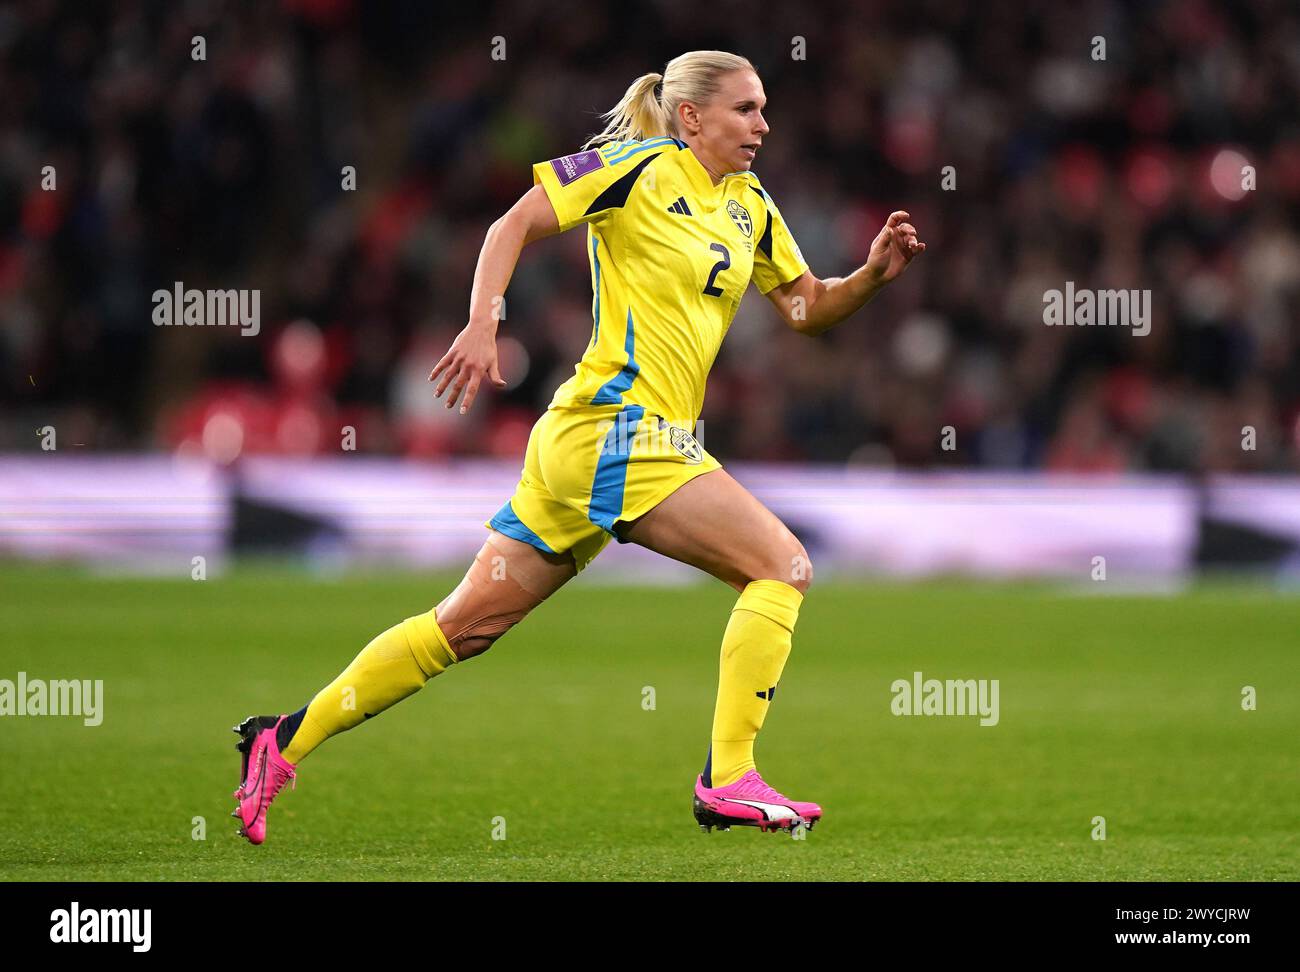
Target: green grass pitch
{"x": 1127, "y": 708}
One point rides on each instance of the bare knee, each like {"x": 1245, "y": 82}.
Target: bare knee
{"x": 788, "y": 562}
{"x": 801, "y": 570}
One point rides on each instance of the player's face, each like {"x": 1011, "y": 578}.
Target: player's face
{"x": 732, "y": 125}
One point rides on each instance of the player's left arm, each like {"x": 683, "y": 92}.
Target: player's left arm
{"x": 811, "y": 305}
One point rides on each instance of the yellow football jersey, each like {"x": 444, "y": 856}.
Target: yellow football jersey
{"x": 671, "y": 256}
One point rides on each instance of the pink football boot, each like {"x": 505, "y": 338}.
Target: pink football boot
{"x": 264, "y": 773}
{"x": 751, "y": 803}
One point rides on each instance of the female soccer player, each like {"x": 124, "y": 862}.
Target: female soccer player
{"x": 677, "y": 227}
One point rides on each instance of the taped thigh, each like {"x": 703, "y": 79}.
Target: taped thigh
{"x": 496, "y": 593}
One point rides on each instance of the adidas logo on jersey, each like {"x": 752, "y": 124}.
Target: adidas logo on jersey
{"x": 680, "y": 207}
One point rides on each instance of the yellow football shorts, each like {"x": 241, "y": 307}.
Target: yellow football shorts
{"x": 589, "y": 467}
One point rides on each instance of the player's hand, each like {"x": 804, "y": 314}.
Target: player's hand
{"x": 472, "y": 355}
{"x": 893, "y": 248}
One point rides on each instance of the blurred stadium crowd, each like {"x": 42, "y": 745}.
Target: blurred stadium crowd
{"x": 228, "y": 173}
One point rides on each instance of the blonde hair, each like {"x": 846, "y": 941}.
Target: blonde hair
{"x": 644, "y": 113}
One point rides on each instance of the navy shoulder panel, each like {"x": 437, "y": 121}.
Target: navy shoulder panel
{"x": 616, "y": 194}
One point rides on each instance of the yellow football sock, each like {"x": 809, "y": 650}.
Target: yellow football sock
{"x": 394, "y": 665}
{"x": 754, "y": 649}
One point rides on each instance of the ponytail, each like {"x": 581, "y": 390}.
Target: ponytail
{"x": 640, "y": 114}
{"x": 648, "y": 108}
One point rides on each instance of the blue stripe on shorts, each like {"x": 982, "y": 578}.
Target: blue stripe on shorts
{"x": 611, "y": 469}
{"x": 508, "y": 523}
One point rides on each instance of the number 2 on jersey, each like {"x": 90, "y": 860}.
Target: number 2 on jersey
{"x": 718, "y": 267}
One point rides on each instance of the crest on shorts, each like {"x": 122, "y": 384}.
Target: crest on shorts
{"x": 686, "y": 444}
{"x": 740, "y": 216}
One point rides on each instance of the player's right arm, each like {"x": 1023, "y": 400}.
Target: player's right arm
{"x": 587, "y": 187}
{"x": 474, "y": 352}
